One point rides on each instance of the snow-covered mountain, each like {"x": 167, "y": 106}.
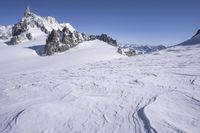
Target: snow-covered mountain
{"x": 192, "y": 41}
{"x": 34, "y": 24}
{"x": 60, "y": 37}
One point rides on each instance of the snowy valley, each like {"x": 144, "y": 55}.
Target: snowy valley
{"x": 92, "y": 88}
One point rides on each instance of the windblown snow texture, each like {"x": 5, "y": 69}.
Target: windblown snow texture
{"x": 91, "y": 88}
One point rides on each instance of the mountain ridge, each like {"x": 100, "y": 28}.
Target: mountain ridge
{"x": 31, "y": 26}
{"x": 192, "y": 41}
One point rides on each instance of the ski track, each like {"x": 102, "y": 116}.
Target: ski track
{"x": 114, "y": 96}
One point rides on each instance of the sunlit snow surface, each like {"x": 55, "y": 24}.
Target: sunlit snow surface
{"x": 93, "y": 89}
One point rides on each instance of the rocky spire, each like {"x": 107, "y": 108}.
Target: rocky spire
{"x": 27, "y": 12}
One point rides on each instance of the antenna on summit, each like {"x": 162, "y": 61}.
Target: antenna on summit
{"x": 27, "y": 11}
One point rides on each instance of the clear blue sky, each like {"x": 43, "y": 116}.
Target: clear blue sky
{"x": 137, "y": 21}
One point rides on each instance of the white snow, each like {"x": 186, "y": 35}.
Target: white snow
{"x": 28, "y": 55}
{"x": 91, "y": 88}
{"x": 5, "y": 31}
{"x": 36, "y": 32}
{"x": 49, "y": 23}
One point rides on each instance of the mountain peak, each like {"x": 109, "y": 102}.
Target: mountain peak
{"x": 60, "y": 36}
{"x": 27, "y": 12}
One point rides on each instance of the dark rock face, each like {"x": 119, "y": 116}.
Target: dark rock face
{"x": 198, "y": 32}
{"x": 59, "y": 41}
{"x": 53, "y": 37}
{"x": 85, "y": 37}
{"x": 120, "y": 50}
{"x": 52, "y": 43}
{"x": 108, "y": 39}
{"x": 29, "y": 36}
{"x": 127, "y": 51}
{"x": 17, "y": 32}
{"x": 15, "y": 40}
{"x": 17, "y": 29}
{"x": 105, "y": 38}
{"x": 43, "y": 29}
{"x": 62, "y": 40}
{"x": 130, "y": 53}
{"x": 67, "y": 37}
{"x": 93, "y": 37}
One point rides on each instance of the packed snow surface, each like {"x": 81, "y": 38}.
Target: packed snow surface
{"x": 28, "y": 55}
{"x": 92, "y": 89}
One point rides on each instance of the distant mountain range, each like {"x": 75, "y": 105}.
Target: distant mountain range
{"x": 63, "y": 36}
{"x": 133, "y": 49}
{"x": 141, "y": 49}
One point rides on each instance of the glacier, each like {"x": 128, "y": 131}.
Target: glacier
{"x": 91, "y": 88}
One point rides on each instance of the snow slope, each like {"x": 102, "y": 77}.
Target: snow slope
{"x": 28, "y": 55}
{"x": 156, "y": 92}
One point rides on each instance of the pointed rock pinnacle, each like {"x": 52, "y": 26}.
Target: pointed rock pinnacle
{"x": 27, "y": 12}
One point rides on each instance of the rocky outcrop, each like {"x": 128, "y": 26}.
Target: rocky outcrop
{"x": 19, "y": 28}
{"x": 59, "y": 41}
{"x": 67, "y": 37}
{"x": 19, "y": 33}
{"x": 105, "y": 38}
{"x": 52, "y": 43}
{"x": 29, "y": 36}
{"x": 15, "y": 40}
{"x": 126, "y": 51}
